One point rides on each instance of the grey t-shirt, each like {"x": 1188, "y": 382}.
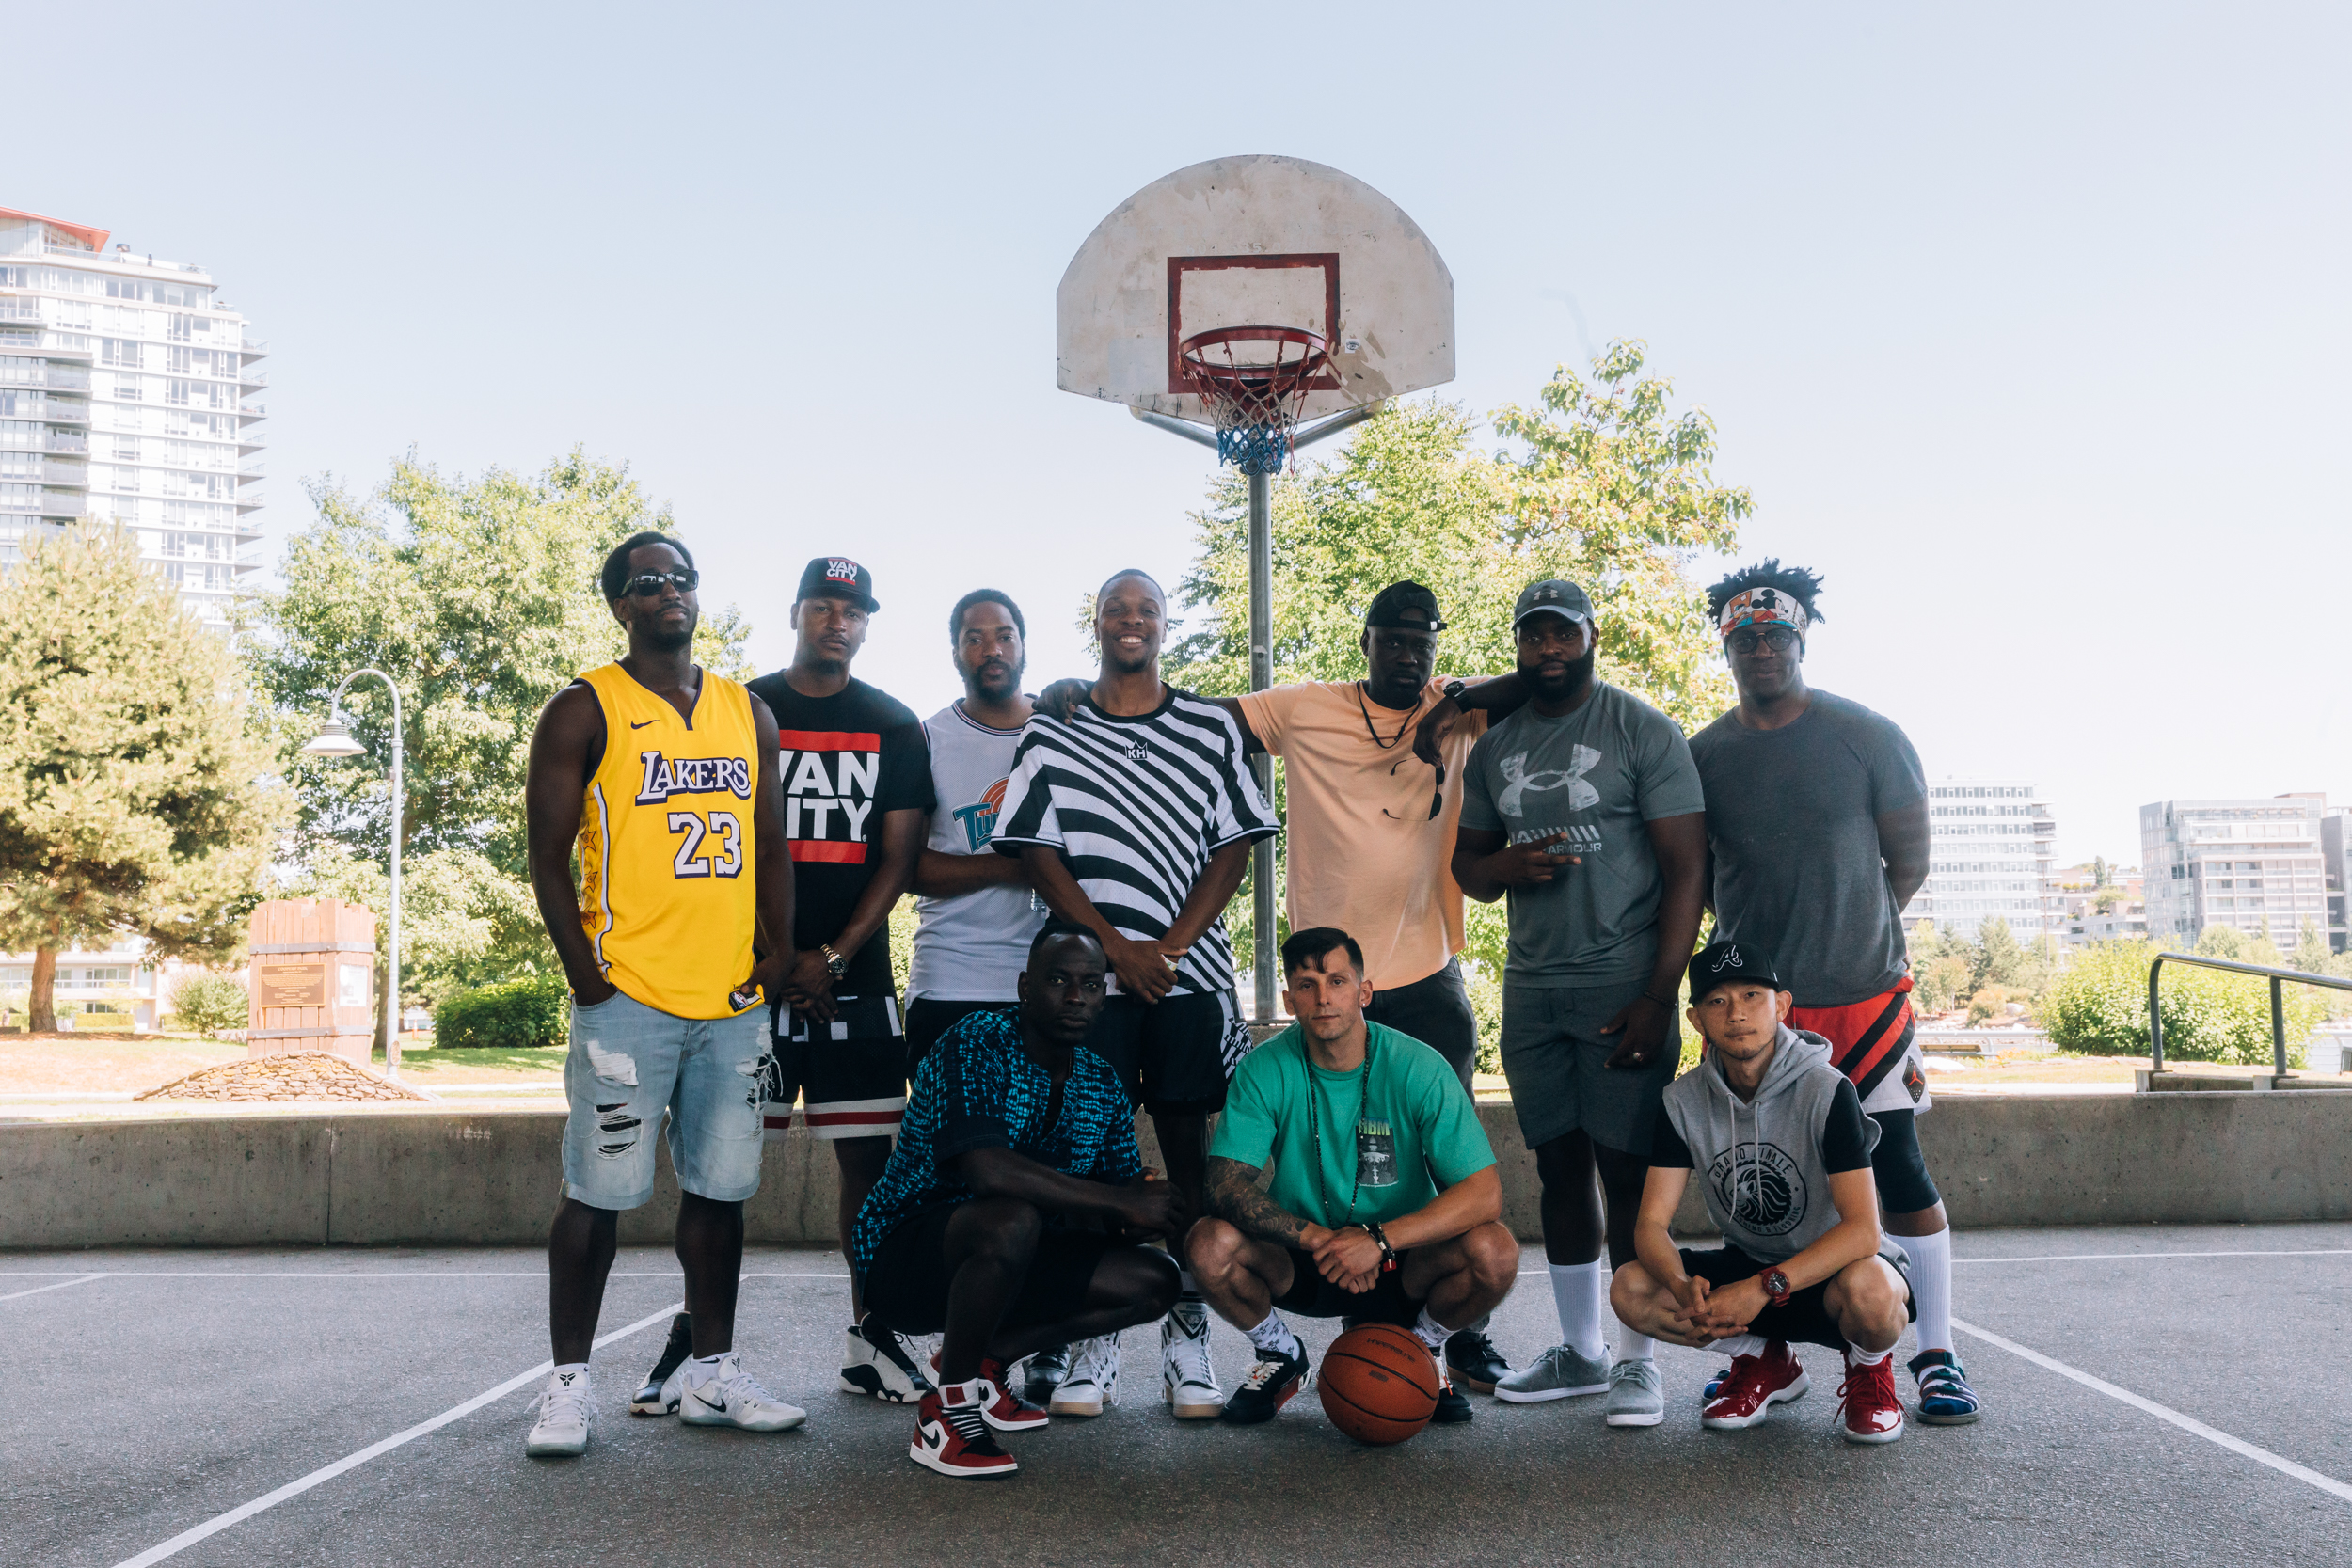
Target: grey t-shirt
{"x": 1792, "y": 822}
{"x": 1599, "y": 775}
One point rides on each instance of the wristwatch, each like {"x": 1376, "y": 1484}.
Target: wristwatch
{"x": 1454, "y": 691}
{"x": 835, "y": 965}
{"x": 1775, "y": 1286}
{"x": 1387, "y": 1253}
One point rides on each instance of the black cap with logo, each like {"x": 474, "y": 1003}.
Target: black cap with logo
{"x": 1720, "y": 963}
{"x": 838, "y": 576}
{"x": 1555, "y": 595}
{"x": 1404, "y": 607}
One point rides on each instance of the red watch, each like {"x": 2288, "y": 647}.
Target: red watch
{"x": 1775, "y": 1286}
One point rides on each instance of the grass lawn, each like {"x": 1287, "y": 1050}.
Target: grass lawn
{"x": 427, "y": 1066}
{"x": 60, "y": 1063}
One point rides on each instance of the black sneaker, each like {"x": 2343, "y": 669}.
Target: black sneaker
{"x": 1274, "y": 1380}
{"x": 875, "y": 1361}
{"x": 1454, "y": 1407}
{"x": 1044, "y": 1373}
{"x": 659, "y": 1396}
{"x": 1474, "y": 1362}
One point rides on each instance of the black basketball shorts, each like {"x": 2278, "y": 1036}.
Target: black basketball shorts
{"x": 851, "y": 1070}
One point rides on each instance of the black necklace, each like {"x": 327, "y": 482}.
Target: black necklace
{"x": 1314, "y": 1129}
{"x": 1402, "y": 726}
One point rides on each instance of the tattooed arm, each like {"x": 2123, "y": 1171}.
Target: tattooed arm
{"x": 1235, "y": 1197}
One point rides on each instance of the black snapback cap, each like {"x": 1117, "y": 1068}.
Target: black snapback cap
{"x": 1722, "y": 962}
{"x": 1405, "y": 607}
{"x": 838, "y": 576}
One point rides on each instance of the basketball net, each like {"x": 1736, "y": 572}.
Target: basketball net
{"x": 1253, "y": 381}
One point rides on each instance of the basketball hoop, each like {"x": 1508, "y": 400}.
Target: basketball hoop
{"x": 1253, "y": 381}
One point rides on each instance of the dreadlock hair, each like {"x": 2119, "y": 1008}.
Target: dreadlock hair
{"x": 1796, "y": 581}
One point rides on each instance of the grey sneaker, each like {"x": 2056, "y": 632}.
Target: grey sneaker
{"x": 1636, "y": 1398}
{"x": 1553, "y": 1375}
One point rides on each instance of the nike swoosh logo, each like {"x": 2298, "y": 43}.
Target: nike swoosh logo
{"x": 647, "y": 722}
{"x": 935, "y": 1444}
{"x": 715, "y": 1403}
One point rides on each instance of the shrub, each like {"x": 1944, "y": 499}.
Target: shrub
{"x": 210, "y": 1004}
{"x": 516, "y": 1016}
{"x": 2099, "y": 1006}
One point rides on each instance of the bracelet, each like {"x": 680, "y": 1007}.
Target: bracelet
{"x": 1665, "y": 1002}
{"x": 1387, "y": 1253}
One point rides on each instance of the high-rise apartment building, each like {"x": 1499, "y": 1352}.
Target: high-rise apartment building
{"x": 1988, "y": 856}
{"x": 122, "y": 389}
{"x": 2256, "y": 865}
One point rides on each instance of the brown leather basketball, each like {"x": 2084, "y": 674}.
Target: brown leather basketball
{"x": 1378, "y": 1384}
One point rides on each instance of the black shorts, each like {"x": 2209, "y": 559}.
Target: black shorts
{"x": 1899, "y": 1167}
{"x": 1805, "y": 1320}
{"x": 851, "y": 1071}
{"x": 1175, "y": 1055}
{"x": 908, "y": 1281}
{"x": 1311, "y": 1295}
{"x": 929, "y": 1016}
{"x": 1434, "y": 1010}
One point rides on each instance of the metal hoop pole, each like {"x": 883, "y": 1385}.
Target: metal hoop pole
{"x": 1262, "y": 677}
{"x": 391, "y": 943}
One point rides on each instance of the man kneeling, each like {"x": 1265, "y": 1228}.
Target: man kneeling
{"x": 1369, "y": 1131}
{"x": 1775, "y": 1128}
{"x": 1012, "y": 1132}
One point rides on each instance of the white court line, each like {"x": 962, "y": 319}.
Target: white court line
{"x": 60, "y": 1286}
{"x": 2165, "y": 1413}
{"x": 321, "y": 1274}
{"x": 214, "y": 1526}
{"x": 2125, "y": 1256}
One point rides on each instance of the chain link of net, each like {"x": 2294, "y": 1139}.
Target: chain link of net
{"x": 1255, "y": 449}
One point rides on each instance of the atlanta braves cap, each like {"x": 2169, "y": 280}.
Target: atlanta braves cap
{"x": 838, "y": 576}
{"x": 1405, "y": 607}
{"x": 1720, "y": 963}
{"x": 1554, "y": 594}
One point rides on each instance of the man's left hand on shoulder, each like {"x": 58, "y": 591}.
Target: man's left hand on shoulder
{"x": 1642, "y": 1021}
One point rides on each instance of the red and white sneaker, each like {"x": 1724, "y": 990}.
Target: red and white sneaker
{"x": 951, "y": 1432}
{"x": 1005, "y": 1410}
{"x": 1753, "y": 1384}
{"x": 1867, "y": 1403}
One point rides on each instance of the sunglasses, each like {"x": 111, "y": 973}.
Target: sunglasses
{"x": 1744, "y": 641}
{"x": 647, "y": 585}
{"x": 1436, "y": 800}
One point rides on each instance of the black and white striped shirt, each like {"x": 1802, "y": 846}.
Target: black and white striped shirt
{"x": 1137, "y": 806}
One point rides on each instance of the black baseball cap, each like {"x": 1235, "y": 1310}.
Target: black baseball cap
{"x": 837, "y": 576}
{"x": 1405, "y": 607}
{"x": 1721, "y": 962}
{"x": 1554, "y": 595}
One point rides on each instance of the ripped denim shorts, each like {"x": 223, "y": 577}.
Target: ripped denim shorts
{"x": 628, "y": 1064}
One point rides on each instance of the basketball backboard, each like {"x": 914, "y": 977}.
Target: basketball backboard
{"x": 1255, "y": 241}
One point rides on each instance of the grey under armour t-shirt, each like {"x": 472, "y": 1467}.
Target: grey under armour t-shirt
{"x": 1792, "y": 824}
{"x": 1599, "y": 775}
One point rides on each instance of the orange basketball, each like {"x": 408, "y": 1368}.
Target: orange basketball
{"x": 1378, "y": 1384}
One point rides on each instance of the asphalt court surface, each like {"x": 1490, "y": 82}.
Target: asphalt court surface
{"x": 152, "y": 1394}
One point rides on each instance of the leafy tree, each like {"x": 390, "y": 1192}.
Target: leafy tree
{"x": 2099, "y": 1006}
{"x": 1607, "y": 486}
{"x": 1998, "y": 959}
{"x": 2223, "y": 941}
{"x": 133, "y": 792}
{"x": 2099, "y": 871}
{"x": 478, "y": 597}
{"x": 212, "y": 1004}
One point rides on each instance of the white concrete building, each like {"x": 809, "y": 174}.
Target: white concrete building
{"x": 2252, "y": 863}
{"x": 1990, "y": 855}
{"x": 124, "y": 383}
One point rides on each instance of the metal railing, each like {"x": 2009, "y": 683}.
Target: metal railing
{"x": 2279, "y": 978}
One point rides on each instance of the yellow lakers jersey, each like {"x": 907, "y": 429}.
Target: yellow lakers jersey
{"x": 667, "y": 894}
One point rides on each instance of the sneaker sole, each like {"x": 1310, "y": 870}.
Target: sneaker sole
{"x": 1854, "y": 1436}
{"x": 996, "y": 1425}
{"x": 959, "y": 1472}
{"x": 785, "y": 1425}
{"x": 1636, "y": 1418}
{"x": 1463, "y": 1379}
{"x": 653, "y": 1407}
{"x": 1969, "y": 1419}
{"x": 865, "y": 1380}
{"x": 1083, "y": 1409}
{"x": 1789, "y": 1395}
{"x": 1520, "y": 1396}
{"x": 1190, "y": 1412}
{"x": 554, "y": 1451}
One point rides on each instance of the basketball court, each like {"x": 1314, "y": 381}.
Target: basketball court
{"x": 2154, "y": 1395}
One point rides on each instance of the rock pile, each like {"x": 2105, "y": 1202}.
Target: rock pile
{"x": 289, "y": 1075}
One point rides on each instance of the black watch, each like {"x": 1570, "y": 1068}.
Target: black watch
{"x": 1387, "y": 1253}
{"x": 1454, "y": 691}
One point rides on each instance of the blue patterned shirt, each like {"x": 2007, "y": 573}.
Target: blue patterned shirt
{"x": 979, "y": 1089}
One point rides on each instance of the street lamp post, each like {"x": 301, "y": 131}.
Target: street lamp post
{"x": 335, "y": 740}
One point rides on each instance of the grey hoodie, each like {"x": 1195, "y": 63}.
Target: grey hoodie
{"x": 1759, "y": 1162}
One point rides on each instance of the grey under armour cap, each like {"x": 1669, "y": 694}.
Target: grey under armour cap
{"x": 1553, "y": 595}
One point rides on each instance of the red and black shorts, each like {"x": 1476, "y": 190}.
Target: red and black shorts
{"x": 1869, "y": 1041}
{"x": 851, "y": 1070}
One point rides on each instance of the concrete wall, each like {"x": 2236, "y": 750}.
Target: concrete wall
{"x": 448, "y": 1177}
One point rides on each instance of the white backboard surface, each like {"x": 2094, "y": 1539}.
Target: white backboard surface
{"x": 1261, "y": 240}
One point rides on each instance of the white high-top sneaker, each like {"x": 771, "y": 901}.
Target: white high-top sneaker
{"x": 567, "y": 1407}
{"x": 1091, "y": 1385}
{"x": 1188, "y": 1382}
{"x": 731, "y": 1396}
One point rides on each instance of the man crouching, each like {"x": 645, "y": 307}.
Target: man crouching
{"x": 1013, "y": 1130}
{"x": 1785, "y": 1150}
{"x": 1369, "y": 1131}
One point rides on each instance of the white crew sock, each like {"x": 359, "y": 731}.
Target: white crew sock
{"x": 1739, "y": 1345}
{"x": 1857, "y": 1356}
{"x": 1633, "y": 1345}
{"x": 706, "y": 1366}
{"x": 1275, "y": 1335}
{"x": 1931, "y": 1284}
{"x": 1580, "y": 1292}
{"x": 1430, "y": 1332}
{"x": 579, "y": 1366}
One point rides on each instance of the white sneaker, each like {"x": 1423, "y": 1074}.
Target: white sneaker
{"x": 878, "y": 1362}
{"x": 731, "y": 1396}
{"x": 1188, "y": 1382}
{"x": 567, "y": 1406}
{"x": 1091, "y": 1385}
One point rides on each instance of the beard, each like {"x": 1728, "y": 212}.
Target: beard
{"x": 995, "y": 683}
{"x": 1553, "y": 689}
{"x": 661, "y": 639}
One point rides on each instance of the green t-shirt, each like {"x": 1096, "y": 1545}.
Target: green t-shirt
{"x": 1416, "y": 1130}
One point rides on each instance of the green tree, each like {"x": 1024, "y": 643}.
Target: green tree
{"x": 2223, "y": 941}
{"x": 134, "y": 798}
{"x": 478, "y": 596}
{"x": 212, "y": 1004}
{"x": 1608, "y": 485}
{"x": 1997, "y": 959}
{"x": 2099, "y": 1006}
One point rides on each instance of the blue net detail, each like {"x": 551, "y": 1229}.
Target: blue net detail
{"x": 1255, "y": 449}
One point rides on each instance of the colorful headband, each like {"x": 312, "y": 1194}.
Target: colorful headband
{"x": 1762, "y": 607}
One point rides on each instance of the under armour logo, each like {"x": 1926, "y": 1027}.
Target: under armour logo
{"x": 1517, "y": 781}
{"x": 1731, "y": 958}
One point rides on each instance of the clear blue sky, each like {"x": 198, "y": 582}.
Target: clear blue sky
{"x": 2026, "y": 324}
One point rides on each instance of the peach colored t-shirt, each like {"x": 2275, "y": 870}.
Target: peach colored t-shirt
{"x": 1364, "y": 854}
